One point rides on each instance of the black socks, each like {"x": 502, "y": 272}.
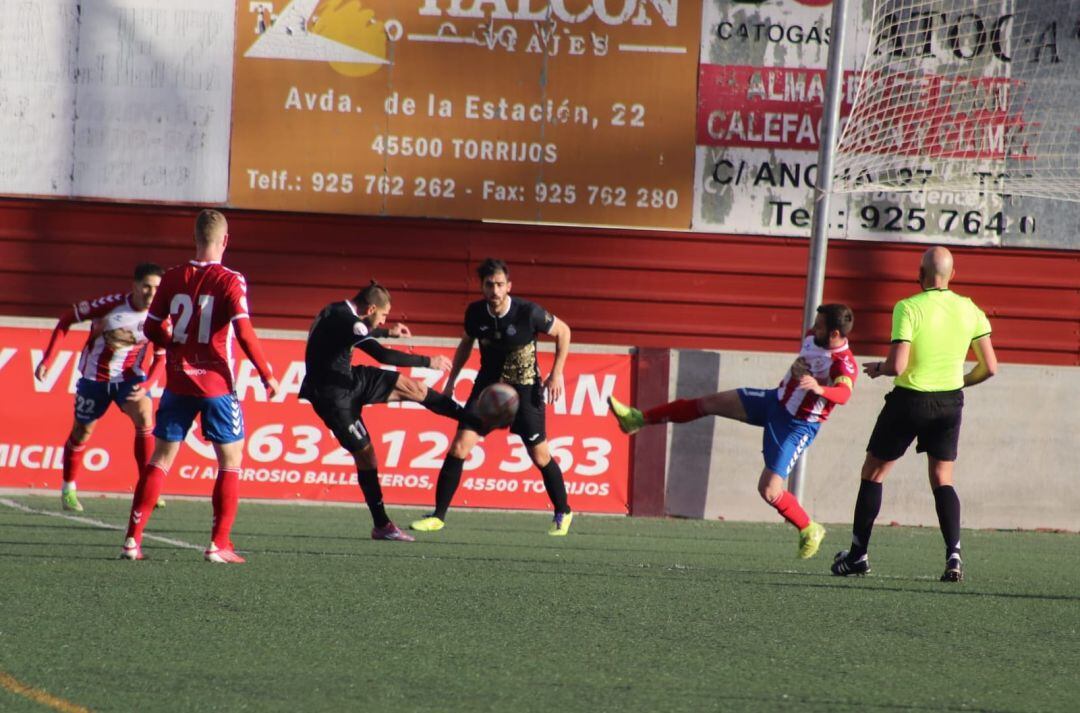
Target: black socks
{"x": 443, "y": 405}
{"x": 369, "y": 483}
{"x": 449, "y": 477}
{"x": 948, "y": 512}
{"x": 556, "y": 488}
{"x": 867, "y": 507}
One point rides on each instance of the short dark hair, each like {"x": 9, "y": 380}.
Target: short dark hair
{"x": 837, "y": 316}
{"x": 490, "y": 266}
{"x": 207, "y": 223}
{"x": 373, "y": 294}
{"x": 148, "y": 268}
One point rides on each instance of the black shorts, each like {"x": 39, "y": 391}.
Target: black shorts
{"x": 529, "y": 421}
{"x": 932, "y": 417}
{"x": 339, "y": 405}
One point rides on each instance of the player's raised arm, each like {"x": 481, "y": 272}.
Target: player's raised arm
{"x": 67, "y": 319}
{"x": 393, "y": 357}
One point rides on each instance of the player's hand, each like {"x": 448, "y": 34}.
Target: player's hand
{"x": 811, "y": 384}
{"x": 874, "y": 369}
{"x": 441, "y": 363}
{"x": 554, "y": 387}
{"x": 400, "y": 331}
{"x": 272, "y": 387}
{"x": 40, "y": 371}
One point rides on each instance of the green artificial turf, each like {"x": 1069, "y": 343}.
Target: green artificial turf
{"x": 491, "y": 614}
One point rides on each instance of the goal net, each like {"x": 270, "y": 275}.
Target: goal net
{"x": 966, "y": 95}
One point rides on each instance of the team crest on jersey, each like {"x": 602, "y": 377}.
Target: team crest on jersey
{"x": 83, "y": 307}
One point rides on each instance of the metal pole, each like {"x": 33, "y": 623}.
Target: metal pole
{"x": 819, "y": 230}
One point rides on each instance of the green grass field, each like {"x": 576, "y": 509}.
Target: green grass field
{"x": 491, "y": 614}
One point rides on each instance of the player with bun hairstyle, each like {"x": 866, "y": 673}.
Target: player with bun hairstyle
{"x": 338, "y": 390}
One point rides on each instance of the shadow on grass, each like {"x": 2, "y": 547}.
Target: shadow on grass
{"x": 944, "y": 589}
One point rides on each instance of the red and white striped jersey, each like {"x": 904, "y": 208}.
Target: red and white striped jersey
{"x": 828, "y": 366}
{"x": 202, "y": 299}
{"x": 116, "y": 347}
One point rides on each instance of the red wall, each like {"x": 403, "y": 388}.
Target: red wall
{"x": 612, "y": 287}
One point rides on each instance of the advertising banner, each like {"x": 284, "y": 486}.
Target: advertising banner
{"x": 527, "y": 111}
{"x": 761, "y": 87}
{"x": 289, "y": 454}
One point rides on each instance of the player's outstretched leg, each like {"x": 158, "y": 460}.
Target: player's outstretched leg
{"x": 632, "y": 420}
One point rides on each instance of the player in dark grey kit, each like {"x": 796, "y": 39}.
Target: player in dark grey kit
{"x": 506, "y": 329}
{"x": 338, "y": 390}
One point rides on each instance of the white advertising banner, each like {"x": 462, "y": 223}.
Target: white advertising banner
{"x": 118, "y": 99}
{"x": 761, "y": 87}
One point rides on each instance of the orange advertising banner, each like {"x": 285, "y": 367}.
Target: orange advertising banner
{"x": 577, "y": 111}
{"x": 289, "y": 454}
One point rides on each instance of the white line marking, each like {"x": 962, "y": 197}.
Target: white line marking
{"x": 651, "y": 48}
{"x": 98, "y": 523}
{"x": 450, "y": 39}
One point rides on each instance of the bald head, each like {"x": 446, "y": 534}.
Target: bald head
{"x": 936, "y": 268}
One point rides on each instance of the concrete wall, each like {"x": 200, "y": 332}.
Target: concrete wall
{"x": 1016, "y": 467}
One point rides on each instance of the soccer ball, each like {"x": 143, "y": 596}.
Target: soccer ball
{"x": 497, "y": 405}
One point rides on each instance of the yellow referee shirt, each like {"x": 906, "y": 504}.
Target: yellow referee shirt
{"x": 940, "y": 325}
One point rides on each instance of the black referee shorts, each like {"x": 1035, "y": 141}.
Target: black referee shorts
{"x": 339, "y": 406}
{"x": 529, "y": 423}
{"x": 931, "y": 418}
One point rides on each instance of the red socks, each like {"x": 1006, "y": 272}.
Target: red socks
{"x": 788, "y": 506}
{"x": 226, "y": 500}
{"x": 72, "y": 460}
{"x": 144, "y": 447}
{"x": 146, "y": 496}
{"x": 679, "y": 411}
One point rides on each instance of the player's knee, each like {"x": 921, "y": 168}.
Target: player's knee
{"x": 541, "y": 455}
{"x": 365, "y": 458}
{"x": 463, "y": 444}
{"x": 80, "y": 433}
{"x": 770, "y": 492}
{"x": 410, "y": 389}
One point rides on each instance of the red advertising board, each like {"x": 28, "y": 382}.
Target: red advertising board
{"x": 289, "y": 454}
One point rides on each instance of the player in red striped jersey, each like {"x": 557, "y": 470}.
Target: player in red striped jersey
{"x": 206, "y": 305}
{"x": 822, "y": 376}
{"x": 111, "y": 365}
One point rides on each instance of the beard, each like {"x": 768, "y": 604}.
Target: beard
{"x": 823, "y": 343}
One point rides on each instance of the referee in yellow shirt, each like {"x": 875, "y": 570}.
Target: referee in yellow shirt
{"x": 931, "y": 334}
